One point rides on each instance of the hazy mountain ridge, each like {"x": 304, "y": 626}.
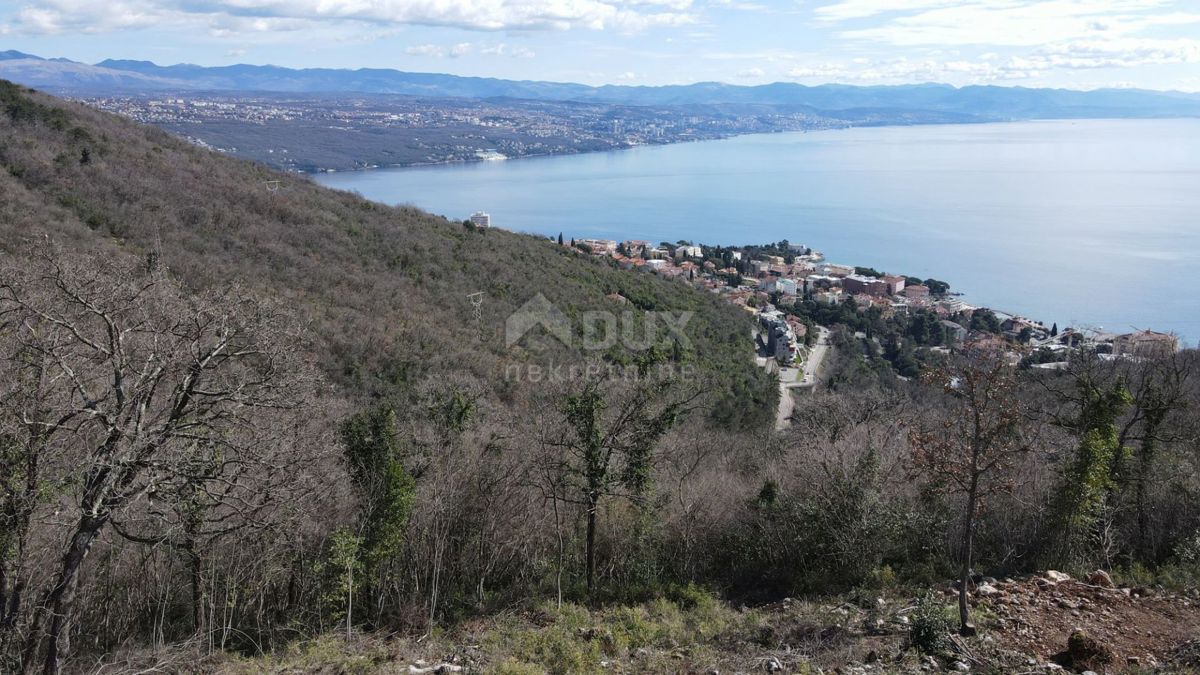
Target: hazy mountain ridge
{"x": 986, "y": 101}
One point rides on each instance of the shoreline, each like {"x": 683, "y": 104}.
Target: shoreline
{"x": 819, "y": 226}
{"x": 542, "y": 155}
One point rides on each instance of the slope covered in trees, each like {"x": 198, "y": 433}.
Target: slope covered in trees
{"x": 385, "y": 288}
{"x": 239, "y": 411}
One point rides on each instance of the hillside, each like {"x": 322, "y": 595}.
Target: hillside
{"x": 386, "y": 288}
{"x": 982, "y": 102}
{"x": 248, "y": 424}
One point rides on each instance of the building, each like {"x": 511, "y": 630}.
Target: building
{"x": 916, "y": 292}
{"x": 598, "y": 246}
{"x": 857, "y": 283}
{"x": 1145, "y": 343}
{"x": 481, "y": 220}
{"x": 954, "y": 331}
{"x": 781, "y": 340}
{"x": 636, "y": 247}
{"x": 833, "y": 270}
{"x": 895, "y": 283}
{"x": 785, "y": 286}
{"x": 689, "y": 251}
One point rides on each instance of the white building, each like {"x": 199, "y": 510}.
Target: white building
{"x": 481, "y": 219}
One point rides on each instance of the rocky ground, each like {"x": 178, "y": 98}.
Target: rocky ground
{"x": 1091, "y": 624}
{"x": 1039, "y": 624}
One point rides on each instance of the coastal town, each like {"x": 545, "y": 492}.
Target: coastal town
{"x": 773, "y": 281}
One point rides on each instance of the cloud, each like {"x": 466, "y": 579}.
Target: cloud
{"x": 991, "y": 67}
{"x": 742, "y": 5}
{"x": 465, "y": 48}
{"x": 504, "y": 50}
{"x": 437, "y": 51}
{"x": 1120, "y": 53}
{"x": 626, "y": 77}
{"x": 751, "y": 73}
{"x": 1025, "y": 23}
{"x": 861, "y": 9}
{"x": 58, "y": 16}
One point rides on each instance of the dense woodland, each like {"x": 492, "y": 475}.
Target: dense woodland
{"x": 238, "y": 413}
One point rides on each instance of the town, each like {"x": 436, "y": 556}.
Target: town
{"x": 773, "y": 281}
{"x": 310, "y": 133}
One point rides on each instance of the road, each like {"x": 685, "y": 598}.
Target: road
{"x": 805, "y": 377}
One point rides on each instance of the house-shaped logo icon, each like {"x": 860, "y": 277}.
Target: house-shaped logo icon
{"x": 538, "y": 311}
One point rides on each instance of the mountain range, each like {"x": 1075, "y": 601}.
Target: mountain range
{"x": 990, "y": 102}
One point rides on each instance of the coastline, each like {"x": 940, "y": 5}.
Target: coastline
{"x": 884, "y": 206}
{"x": 539, "y": 155}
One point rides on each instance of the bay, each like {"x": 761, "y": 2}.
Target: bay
{"x": 1087, "y": 223}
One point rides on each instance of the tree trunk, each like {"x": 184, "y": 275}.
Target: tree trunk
{"x": 196, "y": 581}
{"x": 61, "y": 599}
{"x": 965, "y": 628}
{"x": 591, "y": 544}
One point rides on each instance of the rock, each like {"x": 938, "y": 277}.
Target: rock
{"x": 986, "y": 590}
{"x": 773, "y": 665}
{"x": 1100, "y": 578}
{"x": 440, "y": 669}
{"x": 1044, "y": 584}
{"x": 960, "y": 666}
{"x": 1056, "y": 576}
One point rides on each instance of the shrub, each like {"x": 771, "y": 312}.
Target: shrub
{"x": 931, "y": 625}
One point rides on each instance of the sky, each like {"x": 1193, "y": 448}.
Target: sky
{"x": 1079, "y": 44}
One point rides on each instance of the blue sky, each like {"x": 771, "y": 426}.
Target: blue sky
{"x": 1080, "y": 44}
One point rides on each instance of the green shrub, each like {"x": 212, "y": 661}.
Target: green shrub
{"x": 931, "y": 625}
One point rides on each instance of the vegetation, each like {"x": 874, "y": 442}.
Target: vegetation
{"x": 236, "y": 421}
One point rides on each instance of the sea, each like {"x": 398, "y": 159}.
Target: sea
{"x": 1087, "y": 223}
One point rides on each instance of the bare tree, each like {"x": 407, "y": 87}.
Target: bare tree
{"x": 141, "y": 390}
{"x": 605, "y": 447}
{"x": 970, "y": 446}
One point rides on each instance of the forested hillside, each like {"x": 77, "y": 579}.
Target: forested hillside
{"x": 385, "y": 288}
{"x": 248, "y": 424}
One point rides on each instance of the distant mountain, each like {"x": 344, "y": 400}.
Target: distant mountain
{"x": 64, "y": 75}
{"x": 980, "y": 101}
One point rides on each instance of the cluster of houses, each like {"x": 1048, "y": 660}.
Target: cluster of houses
{"x": 765, "y": 284}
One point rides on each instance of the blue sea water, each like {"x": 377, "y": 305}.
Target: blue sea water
{"x": 1087, "y": 223}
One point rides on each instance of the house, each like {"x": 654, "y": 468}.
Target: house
{"x": 830, "y": 269}
{"x": 635, "y": 246}
{"x": 916, "y": 292}
{"x": 895, "y": 283}
{"x": 689, "y": 251}
{"x": 785, "y": 286}
{"x": 1145, "y": 343}
{"x": 598, "y": 246}
{"x": 831, "y": 297}
{"x": 481, "y": 220}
